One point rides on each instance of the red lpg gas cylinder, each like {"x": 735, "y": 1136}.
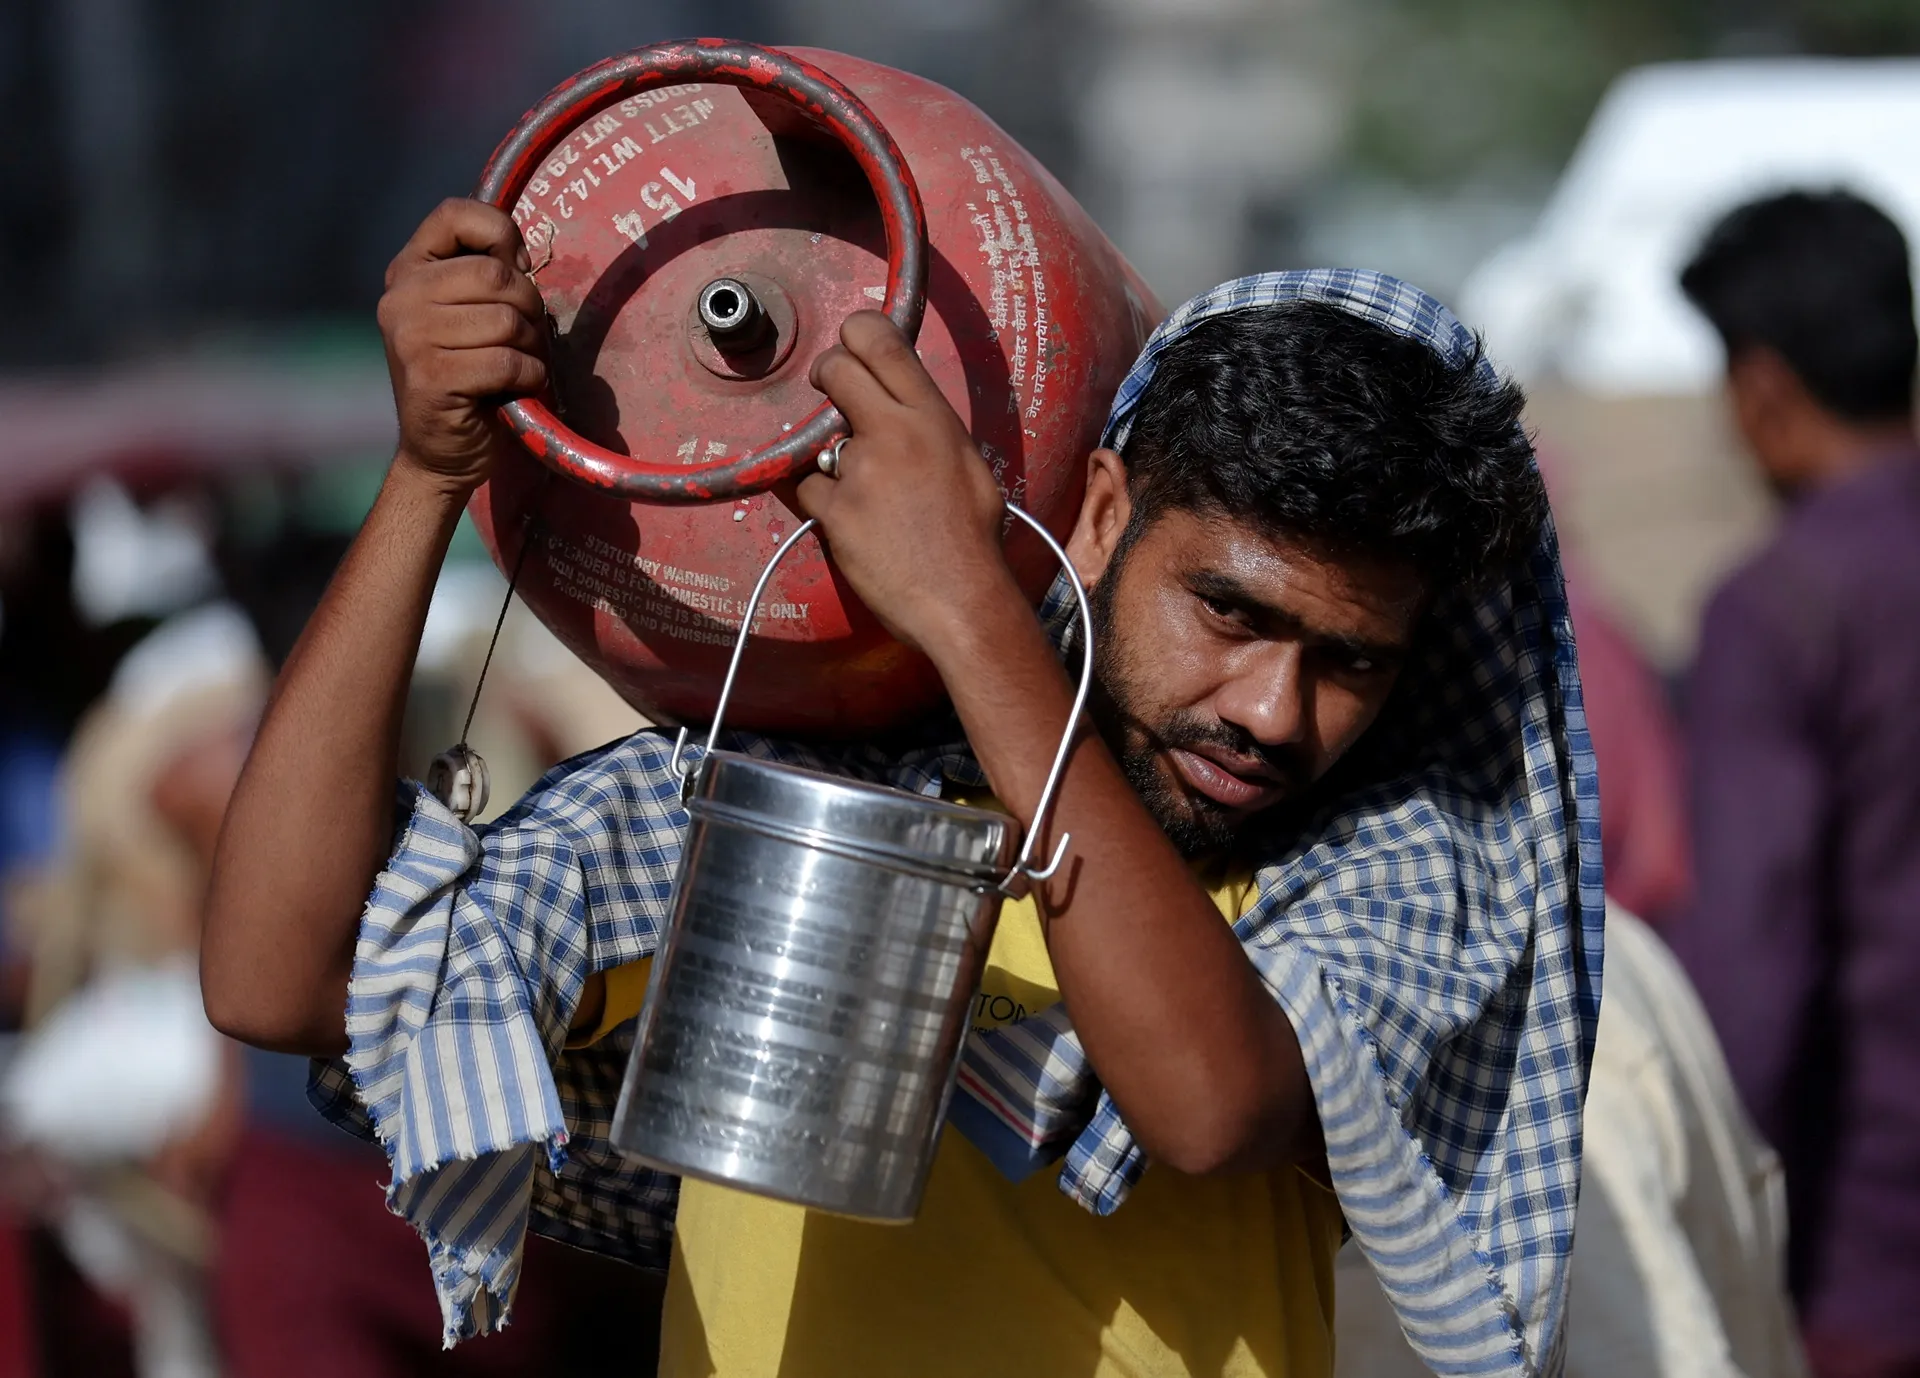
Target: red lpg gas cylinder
{"x": 701, "y": 216}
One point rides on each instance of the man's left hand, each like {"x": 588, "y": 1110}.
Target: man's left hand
{"x": 914, "y": 519}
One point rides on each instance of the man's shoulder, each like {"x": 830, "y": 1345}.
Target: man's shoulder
{"x": 1786, "y": 592}
{"x": 1863, "y": 531}
{"x": 1849, "y": 548}
{"x": 642, "y": 759}
{"x": 589, "y": 792}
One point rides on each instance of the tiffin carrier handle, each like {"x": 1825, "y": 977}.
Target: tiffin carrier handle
{"x": 1023, "y": 872}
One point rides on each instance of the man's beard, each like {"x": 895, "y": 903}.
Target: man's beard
{"x": 1195, "y": 824}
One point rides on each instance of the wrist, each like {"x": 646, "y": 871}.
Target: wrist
{"x": 421, "y": 502}
{"x": 982, "y": 618}
{"x": 416, "y": 482}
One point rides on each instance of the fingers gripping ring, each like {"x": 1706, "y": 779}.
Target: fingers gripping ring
{"x": 829, "y": 458}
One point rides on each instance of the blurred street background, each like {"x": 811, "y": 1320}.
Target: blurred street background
{"x": 198, "y": 199}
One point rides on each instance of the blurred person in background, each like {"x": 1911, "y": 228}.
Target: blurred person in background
{"x": 1804, "y": 739}
{"x": 1636, "y": 745}
{"x": 121, "y": 1093}
{"x": 315, "y": 1277}
{"x": 53, "y": 664}
{"x": 1643, "y": 819}
{"x": 185, "y": 1179}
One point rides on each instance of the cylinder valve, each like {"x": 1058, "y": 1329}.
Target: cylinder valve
{"x": 731, "y": 313}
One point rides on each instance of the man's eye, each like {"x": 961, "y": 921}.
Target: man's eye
{"x": 1356, "y": 664}
{"x": 1218, "y": 608}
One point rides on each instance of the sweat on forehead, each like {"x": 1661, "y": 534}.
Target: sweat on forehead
{"x": 1315, "y": 422}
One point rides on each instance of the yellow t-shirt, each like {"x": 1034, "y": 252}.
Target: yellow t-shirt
{"x": 1228, "y": 1275}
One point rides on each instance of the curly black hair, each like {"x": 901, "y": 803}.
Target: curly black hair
{"x": 1318, "y": 425}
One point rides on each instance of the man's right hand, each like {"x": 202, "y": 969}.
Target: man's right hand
{"x": 465, "y": 330}
{"x": 311, "y": 820}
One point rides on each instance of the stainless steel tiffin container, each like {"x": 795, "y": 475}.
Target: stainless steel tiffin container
{"x": 806, "y": 1014}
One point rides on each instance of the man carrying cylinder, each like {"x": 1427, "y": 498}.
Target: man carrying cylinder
{"x": 1337, "y": 707}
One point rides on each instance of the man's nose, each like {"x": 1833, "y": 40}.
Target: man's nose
{"x": 1267, "y": 698}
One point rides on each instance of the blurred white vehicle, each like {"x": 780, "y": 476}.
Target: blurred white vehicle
{"x": 1590, "y": 296}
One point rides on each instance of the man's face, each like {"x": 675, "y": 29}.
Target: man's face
{"x": 1235, "y": 668}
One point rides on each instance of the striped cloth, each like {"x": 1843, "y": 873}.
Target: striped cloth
{"x": 1434, "y": 935}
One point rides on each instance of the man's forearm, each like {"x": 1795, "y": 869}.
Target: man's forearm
{"x": 1193, "y": 1048}
{"x": 312, "y": 816}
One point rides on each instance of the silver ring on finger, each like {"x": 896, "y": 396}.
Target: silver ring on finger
{"x": 829, "y": 458}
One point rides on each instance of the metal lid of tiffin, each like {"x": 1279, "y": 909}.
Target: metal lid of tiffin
{"x": 884, "y": 826}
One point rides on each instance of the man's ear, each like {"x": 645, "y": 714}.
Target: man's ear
{"x": 1771, "y": 409}
{"x": 1104, "y": 513}
{"x": 1759, "y": 384}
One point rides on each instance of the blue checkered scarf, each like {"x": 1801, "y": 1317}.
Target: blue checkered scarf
{"x": 1434, "y": 938}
